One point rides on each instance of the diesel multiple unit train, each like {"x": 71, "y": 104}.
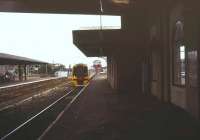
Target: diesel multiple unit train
{"x": 80, "y": 75}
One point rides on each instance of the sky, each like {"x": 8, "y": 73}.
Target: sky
{"x": 48, "y": 37}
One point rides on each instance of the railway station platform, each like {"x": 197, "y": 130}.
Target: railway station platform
{"x": 14, "y": 93}
{"x": 30, "y": 81}
{"x": 101, "y": 114}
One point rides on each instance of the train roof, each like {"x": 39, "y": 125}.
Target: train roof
{"x": 76, "y": 65}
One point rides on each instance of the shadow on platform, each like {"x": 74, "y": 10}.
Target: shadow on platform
{"x": 101, "y": 114}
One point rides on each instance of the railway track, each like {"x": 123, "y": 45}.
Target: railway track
{"x": 28, "y": 98}
{"x": 38, "y": 125}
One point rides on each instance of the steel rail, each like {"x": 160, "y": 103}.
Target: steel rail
{"x": 35, "y": 116}
{"x": 61, "y": 113}
{"x": 22, "y": 101}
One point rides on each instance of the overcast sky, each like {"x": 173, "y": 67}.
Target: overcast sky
{"x": 47, "y": 37}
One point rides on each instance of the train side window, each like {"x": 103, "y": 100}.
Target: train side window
{"x": 179, "y": 75}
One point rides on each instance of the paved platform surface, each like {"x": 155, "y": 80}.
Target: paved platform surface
{"x": 102, "y": 114}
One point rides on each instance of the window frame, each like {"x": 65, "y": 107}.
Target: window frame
{"x": 178, "y": 42}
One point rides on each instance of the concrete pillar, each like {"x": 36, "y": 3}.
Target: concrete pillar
{"x": 25, "y": 72}
{"x": 108, "y": 69}
{"x": 113, "y": 69}
{"x": 115, "y": 75}
{"x": 28, "y": 70}
{"x": 46, "y": 69}
{"x": 20, "y": 73}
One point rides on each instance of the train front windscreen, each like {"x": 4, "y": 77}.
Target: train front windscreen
{"x": 80, "y": 71}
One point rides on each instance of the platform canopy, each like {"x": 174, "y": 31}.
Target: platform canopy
{"x": 66, "y": 6}
{"x": 7, "y": 59}
{"x": 103, "y": 42}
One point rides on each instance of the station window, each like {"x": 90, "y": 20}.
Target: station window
{"x": 192, "y": 68}
{"x": 179, "y": 76}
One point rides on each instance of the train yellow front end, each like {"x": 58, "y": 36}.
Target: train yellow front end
{"x": 79, "y": 75}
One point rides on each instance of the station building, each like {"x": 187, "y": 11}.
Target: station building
{"x": 155, "y": 52}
